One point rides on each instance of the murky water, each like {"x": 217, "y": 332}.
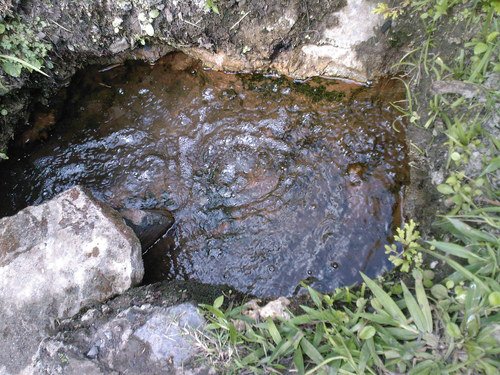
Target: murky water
{"x": 270, "y": 181}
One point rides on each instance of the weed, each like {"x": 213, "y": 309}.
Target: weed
{"x": 408, "y": 238}
{"x": 211, "y": 6}
{"x": 391, "y": 12}
{"x": 21, "y": 48}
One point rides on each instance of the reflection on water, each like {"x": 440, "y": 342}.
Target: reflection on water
{"x": 270, "y": 181}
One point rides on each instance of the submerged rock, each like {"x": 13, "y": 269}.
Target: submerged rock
{"x": 56, "y": 258}
{"x": 148, "y": 225}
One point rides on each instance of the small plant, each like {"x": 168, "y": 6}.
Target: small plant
{"x": 461, "y": 191}
{"x": 21, "y": 48}
{"x": 211, "y": 6}
{"x": 391, "y": 12}
{"x": 410, "y": 254}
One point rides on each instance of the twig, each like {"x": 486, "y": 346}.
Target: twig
{"x": 192, "y": 24}
{"x": 61, "y": 26}
{"x": 241, "y": 19}
{"x": 110, "y": 67}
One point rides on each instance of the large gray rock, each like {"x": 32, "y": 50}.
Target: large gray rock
{"x": 55, "y": 259}
{"x": 143, "y": 339}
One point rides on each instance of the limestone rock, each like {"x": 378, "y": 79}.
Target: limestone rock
{"x": 142, "y": 339}
{"x": 56, "y": 258}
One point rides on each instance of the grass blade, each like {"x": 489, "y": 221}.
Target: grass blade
{"x": 386, "y": 301}
{"x": 298, "y": 360}
{"x": 414, "y": 309}
{"x": 311, "y": 351}
{"x": 424, "y": 304}
{"x": 23, "y": 63}
{"x": 454, "y": 249}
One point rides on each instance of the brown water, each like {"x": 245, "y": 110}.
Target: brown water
{"x": 270, "y": 181}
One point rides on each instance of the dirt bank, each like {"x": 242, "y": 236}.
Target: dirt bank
{"x": 296, "y": 38}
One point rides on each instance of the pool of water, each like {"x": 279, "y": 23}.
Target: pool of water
{"x": 271, "y": 181}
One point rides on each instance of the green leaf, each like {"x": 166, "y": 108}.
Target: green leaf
{"x": 218, "y": 302}
{"x": 414, "y": 310}
{"x": 22, "y": 62}
{"x": 211, "y": 6}
{"x": 402, "y": 333}
{"x": 453, "y": 330}
{"x": 315, "y": 296}
{"x": 496, "y": 5}
{"x": 273, "y": 331}
{"x": 470, "y": 232}
{"x": 298, "y": 360}
{"x": 154, "y": 13}
{"x": 480, "y": 48}
{"x": 445, "y": 189}
{"x": 454, "y": 249}
{"x": 367, "y": 332}
{"x": 363, "y": 358}
{"x": 11, "y": 68}
{"x": 387, "y": 302}
{"x": 455, "y": 156}
{"x": 492, "y": 167}
{"x": 439, "y": 291}
{"x": 490, "y": 38}
{"x": 494, "y": 299}
{"x": 311, "y": 351}
{"x": 3, "y": 156}
{"x": 378, "y": 318}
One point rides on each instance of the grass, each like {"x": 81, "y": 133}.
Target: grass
{"x": 422, "y": 325}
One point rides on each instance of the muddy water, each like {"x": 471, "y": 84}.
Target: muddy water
{"x": 270, "y": 181}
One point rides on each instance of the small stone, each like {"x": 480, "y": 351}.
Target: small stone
{"x": 93, "y": 352}
{"x": 119, "y": 45}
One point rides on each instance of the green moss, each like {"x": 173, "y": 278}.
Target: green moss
{"x": 313, "y": 89}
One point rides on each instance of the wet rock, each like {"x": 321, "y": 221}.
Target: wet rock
{"x": 148, "y": 225}
{"x": 139, "y": 340}
{"x": 56, "y": 258}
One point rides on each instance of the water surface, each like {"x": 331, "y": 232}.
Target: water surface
{"x": 270, "y": 181}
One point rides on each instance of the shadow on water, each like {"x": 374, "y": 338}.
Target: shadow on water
{"x": 270, "y": 181}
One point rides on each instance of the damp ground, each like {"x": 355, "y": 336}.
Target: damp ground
{"x": 271, "y": 181}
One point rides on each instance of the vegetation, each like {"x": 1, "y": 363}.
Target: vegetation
{"x": 422, "y": 325}
{"x": 21, "y": 48}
